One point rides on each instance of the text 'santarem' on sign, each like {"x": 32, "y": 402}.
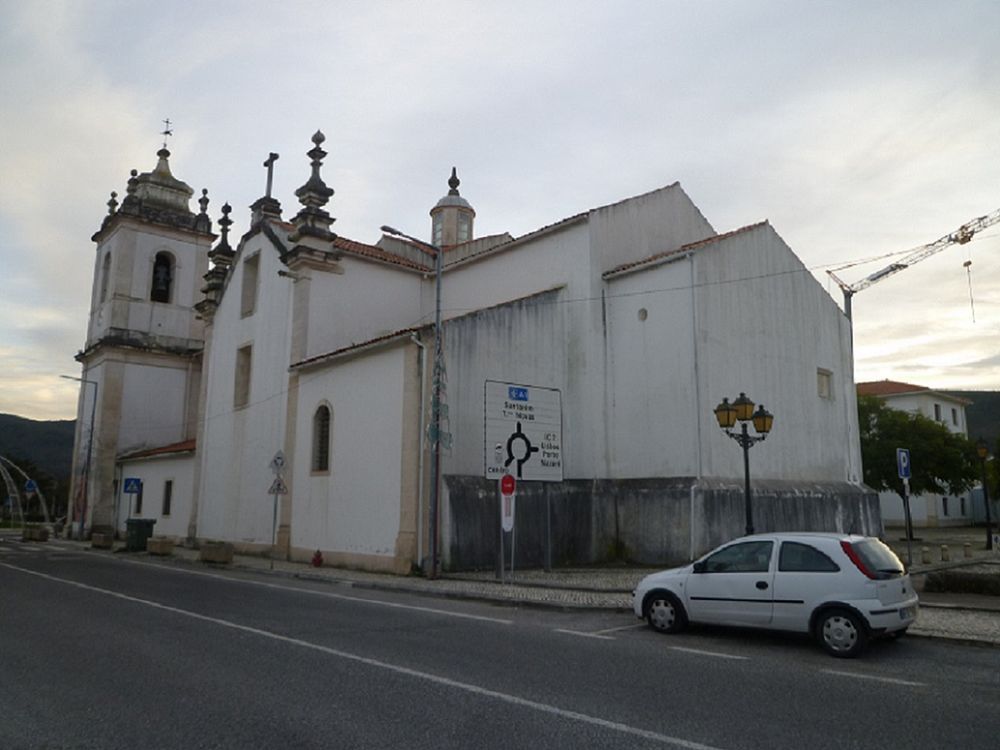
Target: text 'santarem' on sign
{"x": 523, "y": 432}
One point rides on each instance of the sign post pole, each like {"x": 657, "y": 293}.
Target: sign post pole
{"x": 508, "y": 487}
{"x": 904, "y": 468}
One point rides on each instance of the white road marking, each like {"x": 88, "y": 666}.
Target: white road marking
{"x": 708, "y": 653}
{"x": 583, "y": 634}
{"x": 623, "y": 627}
{"x": 890, "y": 680}
{"x": 406, "y": 671}
{"x": 327, "y": 594}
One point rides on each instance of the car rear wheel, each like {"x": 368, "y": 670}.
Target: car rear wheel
{"x": 841, "y": 633}
{"x": 664, "y": 612}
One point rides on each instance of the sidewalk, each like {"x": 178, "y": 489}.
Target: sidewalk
{"x": 969, "y": 618}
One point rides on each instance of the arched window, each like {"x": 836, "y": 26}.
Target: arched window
{"x": 321, "y": 439}
{"x": 105, "y": 273}
{"x": 163, "y": 277}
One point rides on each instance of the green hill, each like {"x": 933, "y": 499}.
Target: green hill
{"x": 983, "y": 416}
{"x": 47, "y": 445}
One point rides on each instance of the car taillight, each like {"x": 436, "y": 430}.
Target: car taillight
{"x": 854, "y": 558}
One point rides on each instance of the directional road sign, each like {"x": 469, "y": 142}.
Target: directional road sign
{"x": 523, "y": 432}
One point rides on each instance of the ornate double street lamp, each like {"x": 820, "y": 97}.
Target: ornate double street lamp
{"x": 983, "y": 451}
{"x": 741, "y": 410}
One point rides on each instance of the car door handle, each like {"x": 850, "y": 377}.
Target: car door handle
{"x": 762, "y": 585}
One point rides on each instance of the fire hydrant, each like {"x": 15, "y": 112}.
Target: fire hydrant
{"x": 317, "y": 559}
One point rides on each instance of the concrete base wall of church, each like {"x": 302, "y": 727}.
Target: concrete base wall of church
{"x": 656, "y": 521}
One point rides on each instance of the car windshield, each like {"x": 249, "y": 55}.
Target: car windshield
{"x": 878, "y": 558}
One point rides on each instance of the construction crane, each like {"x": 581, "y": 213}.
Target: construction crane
{"x": 960, "y": 236}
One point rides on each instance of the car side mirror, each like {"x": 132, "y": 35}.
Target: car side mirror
{"x": 699, "y": 567}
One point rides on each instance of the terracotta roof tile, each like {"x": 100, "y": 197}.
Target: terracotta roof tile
{"x": 653, "y": 259}
{"x": 376, "y": 253}
{"x": 184, "y": 446}
{"x": 887, "y": 388}
{"x": 353, "y": 347}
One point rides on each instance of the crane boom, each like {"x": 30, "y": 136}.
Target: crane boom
{"x": 960, "y": 236}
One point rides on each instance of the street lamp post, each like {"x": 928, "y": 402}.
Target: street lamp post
{"x": 90, "y": 449}
{"x": 741, "y": 410}
{"x": 435, "y": 431}
{"x": 983, "y": 452}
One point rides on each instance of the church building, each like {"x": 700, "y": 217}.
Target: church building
{"x": 296, "y": 390}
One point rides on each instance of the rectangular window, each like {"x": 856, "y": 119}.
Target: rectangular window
{"x": 138, "y": 500}
{"x": 937, "y": 412}
{"x": 962, "y": 504}
{"x": 954, "y": 417}
{"x": 824, "y": 383}
{"x": 944, "y": 505}
{"x": 241, "y": 392}
{"x": 168, "y": 492}
{"x": 248, "y": 294}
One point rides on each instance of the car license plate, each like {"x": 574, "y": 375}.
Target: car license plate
{"x": 907, "y": 613}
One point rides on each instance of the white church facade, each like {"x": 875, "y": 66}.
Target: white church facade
{"x": 639, "y": 315}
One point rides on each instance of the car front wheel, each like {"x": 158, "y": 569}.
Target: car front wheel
{"x": 841, "y": 633}
{"x": 664, "y": 613}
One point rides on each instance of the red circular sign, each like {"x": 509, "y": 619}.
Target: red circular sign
{"x": 507, "y": 484}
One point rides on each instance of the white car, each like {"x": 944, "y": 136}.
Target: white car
{"x": 841, "y": 588}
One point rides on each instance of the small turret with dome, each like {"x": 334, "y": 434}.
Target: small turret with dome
{"x": 453, "y": 216}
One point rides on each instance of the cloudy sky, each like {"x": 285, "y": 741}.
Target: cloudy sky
{"x": 859, "y": 129}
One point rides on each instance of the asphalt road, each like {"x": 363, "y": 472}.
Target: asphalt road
{"x": 118, "y": 652}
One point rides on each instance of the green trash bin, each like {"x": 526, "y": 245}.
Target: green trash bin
{"x": 137, "y": 531}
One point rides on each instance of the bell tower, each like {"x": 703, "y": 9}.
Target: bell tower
{"x": 452, "y": 218}
{"x": 142, "y": 356}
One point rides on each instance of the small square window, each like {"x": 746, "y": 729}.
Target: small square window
{"x": 824, "y": 383}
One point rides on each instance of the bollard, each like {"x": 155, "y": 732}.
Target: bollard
{"x": 967, "y": 549}
{"x": 945, "y": 554}
{"x": 925, "y": 555}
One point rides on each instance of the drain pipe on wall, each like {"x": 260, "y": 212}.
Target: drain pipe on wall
{"x": 420, "y": 450}
{"x": 697, "y": 401}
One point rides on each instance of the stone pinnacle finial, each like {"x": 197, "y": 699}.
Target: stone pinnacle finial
{"x": 315, "y": 192}
{"x": 113, "y": 203}
{"x": 203, "y": 200}
{"x": 222, "y": 253}
{"x": 453, "y": 182}
{"x": 312, "y": 220}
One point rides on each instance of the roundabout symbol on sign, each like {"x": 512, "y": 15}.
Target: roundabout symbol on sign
{"x": 528, "y": 449}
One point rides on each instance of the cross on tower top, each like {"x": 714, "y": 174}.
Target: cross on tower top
{"x": 272, "y": 157}
{"x": 167, "y": 131}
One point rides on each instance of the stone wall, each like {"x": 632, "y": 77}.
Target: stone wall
{"x": 656, "y": 521}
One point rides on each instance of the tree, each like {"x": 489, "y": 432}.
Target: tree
{"x": 941, "y": 461}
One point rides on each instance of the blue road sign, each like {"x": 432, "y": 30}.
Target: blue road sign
{"x": 31, "y": 486}
{"x": 903, "y": 462}
{"x": 133, "y": 485}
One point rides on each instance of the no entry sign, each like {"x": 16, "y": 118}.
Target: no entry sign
{"x": 507, "y": 489}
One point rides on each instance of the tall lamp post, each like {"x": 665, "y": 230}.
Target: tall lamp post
{"x": 983, "y": 451}
{"x": 90, "y": 449}
{"x": 741, "y": 410}
{"x": 435, "y": 430}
